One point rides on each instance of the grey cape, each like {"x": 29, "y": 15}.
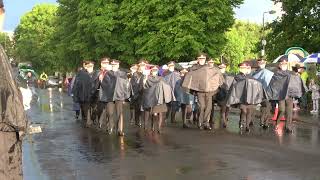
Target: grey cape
{"x": 245, "y": 90}
{"x": 84, "y": 86}
{"x": 13, "y": 117}
{"x": 136, "y": 87}
{"x": 264, "y": 76}
{"x": 156, "y": 92}
{"x": 223, "y": 92}
{"x": 114, "y": 87}
{"x": 181, "y": 95}
{"x": 203, "y": 79}
{"x": 172, "y": 78}
{"x": 285, "y": 84}
{"x": 12, "y": 120}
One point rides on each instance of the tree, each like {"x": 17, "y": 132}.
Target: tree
{"x": 299, "y": 26}
{"x": 179, "y": 30}
{"x": 242, "y": 43}
{"x": 7, "y": 44}
{"x": 34, "y": 35}
{"x": 159, "y": 30}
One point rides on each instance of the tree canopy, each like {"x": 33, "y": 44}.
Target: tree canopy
{"x": 242, "y": 43}
{"x": 7, "y": 44}
{"x": 158, "y": 30}
{"x": 299, "y": 26}
{"x": 60, "y": 37}
{"x": 33, "y": 37}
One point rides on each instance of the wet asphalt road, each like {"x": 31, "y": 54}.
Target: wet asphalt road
{"x": 66, "y": 151}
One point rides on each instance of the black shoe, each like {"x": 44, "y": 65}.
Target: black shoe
{"x": 186, "y": 126}
{"x": 207, "y": 128}
{"x": 110, "y": 131}
{"x": 139, "y": 125}
{"x": 289, "y": 131}
{"x": 224, "y": 125}
{"x": 264, "y": 126}
{"x": 251, "y": 124}
{"x": 120, "y": 133}
{"x": 247, "y": 130}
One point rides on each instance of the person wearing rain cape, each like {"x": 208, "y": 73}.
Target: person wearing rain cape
{"x": 136, "y": 89}
{"x": 246, "y": 92}
{"x": 203, "y": 81}
{"x": 82, "y": 91}
{"x": 185, "y": 100}
{"x": 171, "y": 78}
{"x": 105, "y": 67}
{"x": 13, "y": 122}
{"x": 264, "y": 76}
{"x": 222, "y": 95}
{"x": 114, "y": 91}
{"x": 156, "y": 94}
{"x": 284, "y": 86}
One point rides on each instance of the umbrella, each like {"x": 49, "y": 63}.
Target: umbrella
{"x": 313, "y": 58}
{"x": 290, "y": 58}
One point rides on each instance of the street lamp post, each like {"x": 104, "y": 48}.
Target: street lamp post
{"x": 264, "y": 42}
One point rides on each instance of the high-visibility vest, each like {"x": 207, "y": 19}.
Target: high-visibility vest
{"x": 44, "y": 76}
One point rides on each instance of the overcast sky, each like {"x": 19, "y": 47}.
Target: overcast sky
{"x": 251, "y": 10}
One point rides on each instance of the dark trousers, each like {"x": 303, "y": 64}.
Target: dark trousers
{"x": 265, "y": 112}
{"x": 185, "y": 110}
{"x": 106, "y": 117}
{"x": 86, "y": 113}
{"x": 172, "y": 109}
{"x": 110, "y": 109}
{"x": 211, "y": 121}
{"x": 119, "y": 115}
{"x": 154, "y": 116}
{"x": 286, "y": 108}
{"x": 205, "y": 106}
{"x": 96, "y": 110}
{"x": 224, "y": 111}
{"x": 246, "y": 114}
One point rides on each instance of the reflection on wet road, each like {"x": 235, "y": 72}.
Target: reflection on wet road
{"x": 66, "y": 151}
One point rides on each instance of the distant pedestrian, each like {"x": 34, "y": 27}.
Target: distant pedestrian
{"x": 314, "y": 88}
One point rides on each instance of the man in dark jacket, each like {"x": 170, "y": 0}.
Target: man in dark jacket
{"x": 82, "y": 90}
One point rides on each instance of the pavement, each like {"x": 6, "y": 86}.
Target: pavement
{"x": 67, "y": 151}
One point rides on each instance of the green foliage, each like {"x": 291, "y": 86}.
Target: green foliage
{"x": 7, "y": 44}
{"x": 33, "y": 38}
{"x": 158, "y": 30}
{"x": 299, "y": 26}
{"x": 242, "y": 43}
